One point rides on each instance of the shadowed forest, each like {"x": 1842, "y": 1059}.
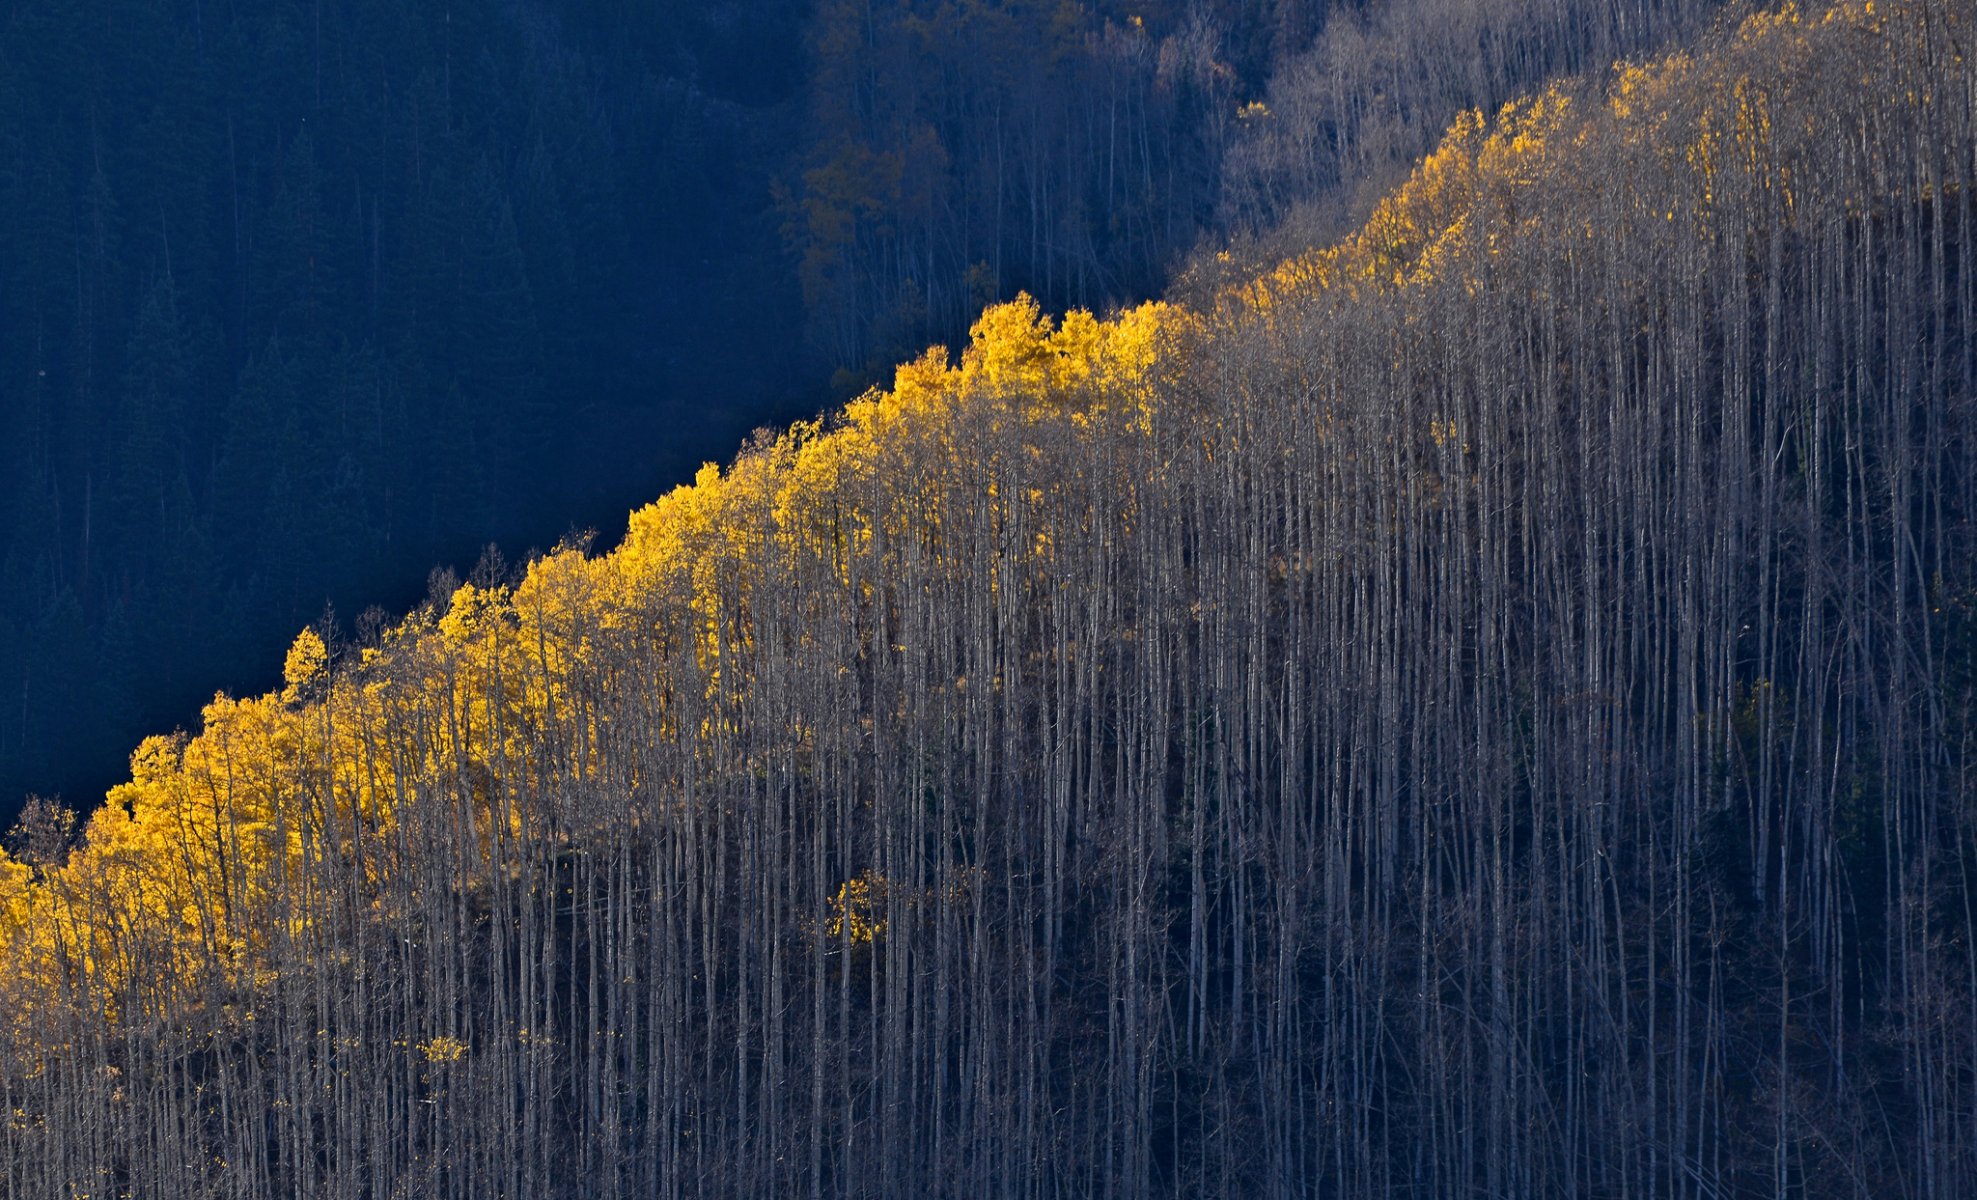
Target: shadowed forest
{"x": 300, "y": 300}
{"x": 1472, "y": 694}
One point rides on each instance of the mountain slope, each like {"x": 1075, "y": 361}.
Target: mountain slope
{"x": 1485, "y": 707}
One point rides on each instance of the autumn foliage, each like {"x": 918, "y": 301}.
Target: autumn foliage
{"x": 1483, "y": 708}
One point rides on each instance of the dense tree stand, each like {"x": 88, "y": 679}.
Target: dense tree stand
{"x": 1485, "y": 709}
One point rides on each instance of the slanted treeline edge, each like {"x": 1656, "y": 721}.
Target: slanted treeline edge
{"x": 1483, "y": 709}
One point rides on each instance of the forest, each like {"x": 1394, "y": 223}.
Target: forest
{"x": 1474, "y": 693}
{"x": 301, "y": 300}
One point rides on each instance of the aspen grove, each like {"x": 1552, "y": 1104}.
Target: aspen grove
{"x": 1486, "y": 708}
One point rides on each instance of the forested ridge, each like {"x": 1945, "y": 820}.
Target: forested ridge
{"x": 1488, "y": 707}
{"x": 298, "y": 300}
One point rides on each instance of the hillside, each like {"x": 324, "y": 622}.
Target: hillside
{"x": 1488, "y": 707}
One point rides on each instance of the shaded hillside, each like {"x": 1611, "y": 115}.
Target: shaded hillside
{"x": 298, "y": 300}
{"x": 1485, "y": 708}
